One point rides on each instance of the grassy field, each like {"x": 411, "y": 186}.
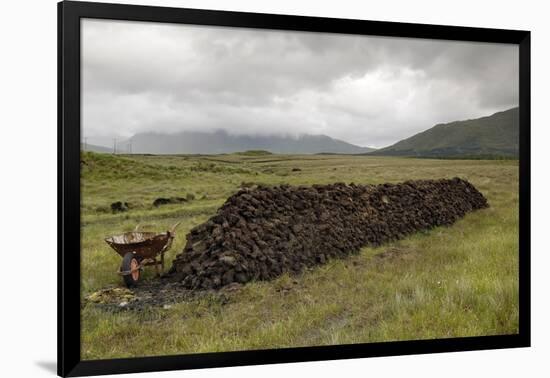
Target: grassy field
{"x": 448, "y": 282}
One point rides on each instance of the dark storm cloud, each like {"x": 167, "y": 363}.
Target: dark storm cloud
{"x": 365, "y": 90}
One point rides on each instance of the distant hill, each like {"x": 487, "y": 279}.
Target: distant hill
{"x": 95, "y": 148}
{"x": 218, "y": 142}
{"x": 495, "y": 135}
{"x": 254, "y": 153}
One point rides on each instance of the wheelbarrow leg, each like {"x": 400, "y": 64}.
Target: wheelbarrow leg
{"x": 157, "y": 268}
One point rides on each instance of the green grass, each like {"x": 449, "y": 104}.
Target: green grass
{"x": 451, "y": 281}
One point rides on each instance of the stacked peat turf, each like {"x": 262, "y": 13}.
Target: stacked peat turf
{"x": 260, "y": 233}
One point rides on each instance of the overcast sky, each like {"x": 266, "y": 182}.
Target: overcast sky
{"x": 369, "y": 91}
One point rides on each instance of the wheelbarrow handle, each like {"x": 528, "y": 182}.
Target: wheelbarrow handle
{"x": 173, "y": 228}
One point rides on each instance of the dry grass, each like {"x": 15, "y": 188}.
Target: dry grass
{"x": 448, "y": 282}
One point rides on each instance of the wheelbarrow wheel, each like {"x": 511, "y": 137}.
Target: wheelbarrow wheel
{"x": 130, "y": 264}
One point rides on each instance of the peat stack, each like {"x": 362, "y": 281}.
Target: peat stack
{"x": 260, "y": 233}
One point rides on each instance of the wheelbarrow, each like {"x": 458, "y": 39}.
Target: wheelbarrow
{"x": 139, "y": 249}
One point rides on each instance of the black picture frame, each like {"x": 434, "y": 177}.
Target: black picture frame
{"x": 69, "y": 15}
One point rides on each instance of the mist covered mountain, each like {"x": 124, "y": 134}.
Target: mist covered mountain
{"x": 197, "y": 142}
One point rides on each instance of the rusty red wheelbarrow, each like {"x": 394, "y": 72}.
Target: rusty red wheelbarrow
{"x": 139, "y": 249}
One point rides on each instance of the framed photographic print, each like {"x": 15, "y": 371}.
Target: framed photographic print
{"x": 240, "y": 188}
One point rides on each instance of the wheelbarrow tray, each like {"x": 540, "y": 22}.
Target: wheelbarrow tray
{"x": 145, "y": 244}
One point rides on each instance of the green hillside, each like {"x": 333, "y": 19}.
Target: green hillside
{"x": 495, "y": 135}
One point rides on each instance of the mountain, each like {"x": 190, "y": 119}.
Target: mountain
{"x": 95, "y": 148}
{"x": 218, "y": 142}
{"x": 495, "y": 135}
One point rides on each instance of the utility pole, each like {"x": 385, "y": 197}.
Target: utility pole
{"x": 114, "y": 146}
{"x": 85, "y": 143}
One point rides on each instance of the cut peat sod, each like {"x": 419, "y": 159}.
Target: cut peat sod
{"x": 261, "y": 233}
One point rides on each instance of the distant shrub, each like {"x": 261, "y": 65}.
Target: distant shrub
{"x": 214, "y": 168}
{"x": 119, "y": 206}
{"x": 254, "y": 153}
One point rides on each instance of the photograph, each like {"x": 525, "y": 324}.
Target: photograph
{"x": 251, "y": 189}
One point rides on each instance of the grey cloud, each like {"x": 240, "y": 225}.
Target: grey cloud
{"x": 365, "y": 90}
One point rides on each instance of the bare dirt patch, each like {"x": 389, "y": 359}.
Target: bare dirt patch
{"x": 154, "y": 294}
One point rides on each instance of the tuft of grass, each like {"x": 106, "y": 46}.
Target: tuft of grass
{"x": 447, "y": 282}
